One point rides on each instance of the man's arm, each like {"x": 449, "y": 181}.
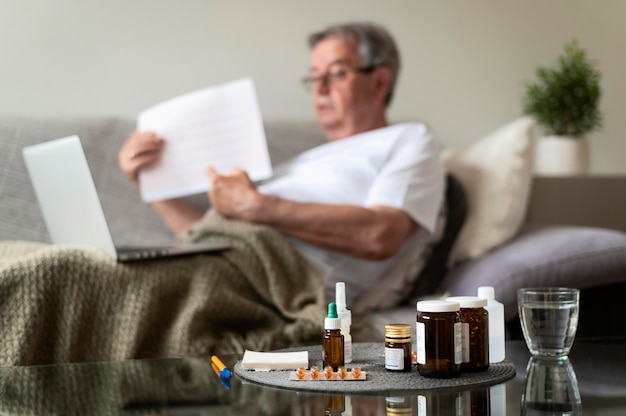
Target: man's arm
{"x": 177, "y": 214}
{"x": 374, "y": 233}
{"x": 140, "y": 150}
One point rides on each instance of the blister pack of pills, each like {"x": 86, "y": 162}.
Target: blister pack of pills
{"x": 315, "y": 374}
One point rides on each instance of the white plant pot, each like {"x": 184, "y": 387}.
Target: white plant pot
{"x": 562, "y": 156}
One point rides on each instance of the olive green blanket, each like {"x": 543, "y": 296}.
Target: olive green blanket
{"x": 70, "y": 304}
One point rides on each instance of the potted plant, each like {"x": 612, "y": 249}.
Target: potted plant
{"x": 564, "y": 101}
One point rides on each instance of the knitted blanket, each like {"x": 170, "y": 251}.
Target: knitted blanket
{"x": 70, "y": 304}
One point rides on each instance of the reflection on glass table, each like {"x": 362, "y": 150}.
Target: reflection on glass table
{"x": 591, "y": 380}
{"x": 468, "y": 402}
{"x": 189, "y": 386}
{"x": 550, "y": 387}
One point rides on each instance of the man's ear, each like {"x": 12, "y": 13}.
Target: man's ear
{"x": 382, "y": 79}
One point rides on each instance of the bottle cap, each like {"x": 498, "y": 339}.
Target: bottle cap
{"x": 340, "y": 295}
{"x": 332, "y": 321}
{"x": 343, "y": 312}
{"x": 469, "y": 301}
{"x": 437, "y": 306}
{"x": 395, "y": 331}
{"x": 486, "y": 292}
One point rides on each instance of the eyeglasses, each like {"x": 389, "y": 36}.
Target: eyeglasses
{"x": 335, "y": 75}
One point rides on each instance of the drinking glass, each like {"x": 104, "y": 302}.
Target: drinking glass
{"x": 549, "y": 317}
{"x": 550, "y": 388}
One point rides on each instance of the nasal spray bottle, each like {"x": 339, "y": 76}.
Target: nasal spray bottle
{"x": 346, "y": 320}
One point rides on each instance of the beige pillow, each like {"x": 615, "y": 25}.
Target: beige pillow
{"x": 496, "y": 174}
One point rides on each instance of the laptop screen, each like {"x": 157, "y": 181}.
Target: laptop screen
{"x": 67, "y": 195}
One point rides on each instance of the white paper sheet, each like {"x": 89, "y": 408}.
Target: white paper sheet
{"x": 219, "y": 127}
{"x": 255, "y": 360}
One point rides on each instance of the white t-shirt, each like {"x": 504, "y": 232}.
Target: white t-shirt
{"x": 396, "y": 166}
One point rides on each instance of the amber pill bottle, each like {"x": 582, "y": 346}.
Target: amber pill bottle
{"x": 438, "y": 339}
{"x": 401, "y": 405}
{"x": 475, "y": 335}
{"x": 398, "y": 347}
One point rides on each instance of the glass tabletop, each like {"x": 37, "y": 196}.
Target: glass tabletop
{"x": 189, "y": 386}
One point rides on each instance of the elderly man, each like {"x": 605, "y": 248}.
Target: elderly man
{"x": 359, "y": 207}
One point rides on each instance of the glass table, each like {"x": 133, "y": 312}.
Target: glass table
{"x": 189, "y": 386}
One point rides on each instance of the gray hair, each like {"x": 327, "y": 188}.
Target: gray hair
{"x": 373, "y": 43}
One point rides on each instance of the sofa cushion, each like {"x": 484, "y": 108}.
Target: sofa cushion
{"x": 437, "y": 263}
{"x": 131, "y": 221}
{"x": 569, "y": 256}
{"x": 287, "y": 139}
{"x": 496, "y": 174}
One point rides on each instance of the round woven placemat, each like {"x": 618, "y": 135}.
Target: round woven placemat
{"x": 369, "y": 357}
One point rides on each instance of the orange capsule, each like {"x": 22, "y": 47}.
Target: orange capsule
{"x": 343, "y": 372}
{"x": 315, "y": 373}
{"x": 328, "y": 372}
{"x": 356, "y": 372}
{"x": 301, "y": 373}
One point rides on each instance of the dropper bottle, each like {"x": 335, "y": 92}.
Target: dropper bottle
{"x": 346, "y": 320}
{"x": 332, "y": 342}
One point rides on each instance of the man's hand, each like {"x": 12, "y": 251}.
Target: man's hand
{"x": 141, "y": 149}
{"x": 233, "y": 196}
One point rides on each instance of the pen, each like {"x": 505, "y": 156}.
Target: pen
{"x": 223, "y": 370}
{"x": 225, "y": 381}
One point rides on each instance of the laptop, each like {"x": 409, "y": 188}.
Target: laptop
{"x": 71, "y": 207}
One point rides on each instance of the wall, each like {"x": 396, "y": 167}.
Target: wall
{"x": 465, "y": 62}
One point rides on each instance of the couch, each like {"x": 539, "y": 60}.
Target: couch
{"x": 496, "y": 245}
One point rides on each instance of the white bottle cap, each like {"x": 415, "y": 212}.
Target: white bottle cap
{"x": 332, "y": 321}
{"x": 340, "y": 295}
{"x": 469, "y": 301}
{"x": 486, "y": 292}
{"x": 342, "y": 310}
{"x": 437, "y": 306}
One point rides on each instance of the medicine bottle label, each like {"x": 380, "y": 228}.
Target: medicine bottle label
{"x": 422, "y": 409}
{"x": 420, "y": 330}
{"x": 394, "y": 358}
{"x": 465, "y": 339}
{"x": 458, "y": 343}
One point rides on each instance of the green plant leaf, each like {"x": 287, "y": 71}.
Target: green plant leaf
{"x": 564, "y": 99}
